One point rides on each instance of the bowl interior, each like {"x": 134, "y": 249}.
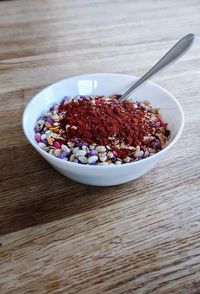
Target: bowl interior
{"x": 103, "y": 84}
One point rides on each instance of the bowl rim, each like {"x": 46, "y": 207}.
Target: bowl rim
{"x": 87, "y": 166}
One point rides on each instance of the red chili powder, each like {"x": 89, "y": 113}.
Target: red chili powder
{"x": 103, "y": 122}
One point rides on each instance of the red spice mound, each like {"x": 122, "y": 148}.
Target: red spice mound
{"x": 104, "y": 121}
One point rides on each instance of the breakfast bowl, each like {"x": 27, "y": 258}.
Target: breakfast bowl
{"x": 104, "y": 84}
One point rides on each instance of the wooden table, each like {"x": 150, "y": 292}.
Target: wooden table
{"x": 58, "y": 236}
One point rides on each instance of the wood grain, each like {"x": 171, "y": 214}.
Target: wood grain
{"x": 58, "y": 236}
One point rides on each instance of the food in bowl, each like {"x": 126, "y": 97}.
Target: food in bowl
{"x": 94, "y": 85}
{"x": 100, "y": 130}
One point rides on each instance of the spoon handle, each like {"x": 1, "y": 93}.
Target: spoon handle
{"x": 179, "y": 49}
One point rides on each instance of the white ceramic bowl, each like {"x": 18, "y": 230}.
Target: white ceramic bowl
{"x": 104, "y": 84}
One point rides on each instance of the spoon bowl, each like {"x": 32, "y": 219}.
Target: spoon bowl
{"x": 104, "y": 84}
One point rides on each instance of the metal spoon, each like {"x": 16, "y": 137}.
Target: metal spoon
{"x": 179, "y": 49}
